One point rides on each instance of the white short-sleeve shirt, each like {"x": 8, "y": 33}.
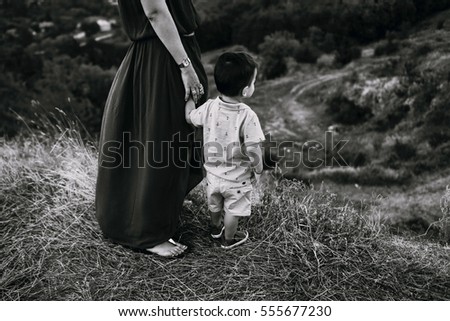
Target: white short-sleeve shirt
{"x": 227, "y": 128}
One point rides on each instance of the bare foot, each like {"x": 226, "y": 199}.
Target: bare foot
{"x": 184, "y": 247}
{"x": 167, "y": 249}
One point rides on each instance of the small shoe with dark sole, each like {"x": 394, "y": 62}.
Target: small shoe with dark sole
{"x": 216, "y": 231}
{"x": 239, "y": 238}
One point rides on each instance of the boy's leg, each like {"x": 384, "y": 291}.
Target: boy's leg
{"x": 231, "y": 223}
{"x": 215, "y": 206}
{"x": 232, "y": 237}
{"x": 216, "y": 218}
{"x": 216, "y": 227}
{"x": 237, "y": 203}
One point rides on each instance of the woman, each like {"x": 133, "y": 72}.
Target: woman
{"x": 140, "y": 186}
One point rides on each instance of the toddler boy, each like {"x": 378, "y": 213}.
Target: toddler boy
{"x": 232, "y": 145}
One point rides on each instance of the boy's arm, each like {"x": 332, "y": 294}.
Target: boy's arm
{"x": 254, "y": 153}
{"x": 190, "y": 106}
{"x": 195, "y": 116}
{"x": 253, "y": 137}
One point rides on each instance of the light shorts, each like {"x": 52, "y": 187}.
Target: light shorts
{"x": 233, "y": 197}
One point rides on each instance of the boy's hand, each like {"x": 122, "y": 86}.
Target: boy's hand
{"x": 255, "y": 178}
{"x": 190, "y": 106}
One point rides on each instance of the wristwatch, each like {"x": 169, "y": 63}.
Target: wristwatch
{"x": 186, "y": 62}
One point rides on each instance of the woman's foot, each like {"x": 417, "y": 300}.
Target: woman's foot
{"x": 168, "y": 249}
{"x": 178, "y": 244}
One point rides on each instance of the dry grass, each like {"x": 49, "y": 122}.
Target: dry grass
{"x": 305, "y": 244}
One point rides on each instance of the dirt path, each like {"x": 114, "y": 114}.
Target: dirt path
{"x": 306, "y": 118}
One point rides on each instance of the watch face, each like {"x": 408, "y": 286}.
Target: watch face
{"x": 185, "y": 63}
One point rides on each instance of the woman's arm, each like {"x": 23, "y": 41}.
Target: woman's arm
{"x": 162, "y": 22}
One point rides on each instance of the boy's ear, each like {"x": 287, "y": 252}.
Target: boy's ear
{"x": 245, "y": 91}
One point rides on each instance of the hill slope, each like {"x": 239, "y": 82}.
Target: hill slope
{"x": 305, "y": 244}
{"x": 391, "y": 107}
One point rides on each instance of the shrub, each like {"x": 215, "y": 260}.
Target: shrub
{"x": 438, "y": 114}
{"x": 307, "y": 52}
{"x": 440, "y": 24}
{"x": 252, "y": 29}
{"x": 347, "y": 53}
{"x": 435, "y": 160}
{"x": 386, "y": 48}
{"x": 214, "y": 33}
{"x": 61, "y": 45}
{"x": 326, "y": 60}
{"x": 428, "y": 86}
{"x": 404, "y": 151}
{"x": 14, "y": 101}
{"x": 328, "y": 44}
{"x": 274, "y": 50}
{"x": 106, "y": 54}
{"x": 316, "y": 35}
{"x": 90, "y": 27}
{"x": 436, "y": 135}
{"x": 72, "y": 85}
{"x": 346, "y": 112}
{"x": 391, "y": 119}
{"x": 360, "y": 160}
{"x": 423, "y": 50}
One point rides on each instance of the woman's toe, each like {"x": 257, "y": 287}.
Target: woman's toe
{"x": 177, "y": 251}
{"x": 184, "y": 247}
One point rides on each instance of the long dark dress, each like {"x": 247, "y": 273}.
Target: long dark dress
{"x": 140, "y": 187}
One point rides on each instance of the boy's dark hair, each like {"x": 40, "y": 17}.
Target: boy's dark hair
{"x": 233, "y": 72}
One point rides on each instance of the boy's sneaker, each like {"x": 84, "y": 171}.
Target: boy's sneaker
{"x": 239, "y": 238}
{"x": 217, "y": 231}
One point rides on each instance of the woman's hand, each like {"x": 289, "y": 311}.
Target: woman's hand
{"x": 192, "y": 85}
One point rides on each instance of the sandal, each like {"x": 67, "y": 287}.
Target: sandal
{"x": 216, "y": 231}
{"x": 239, "y": 238}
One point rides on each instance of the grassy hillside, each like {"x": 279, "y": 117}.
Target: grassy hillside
{"x": 305, "y": 244}
{"x": 392, "y": 107}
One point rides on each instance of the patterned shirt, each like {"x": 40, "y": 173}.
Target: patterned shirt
{"x": 227, "y": 128}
